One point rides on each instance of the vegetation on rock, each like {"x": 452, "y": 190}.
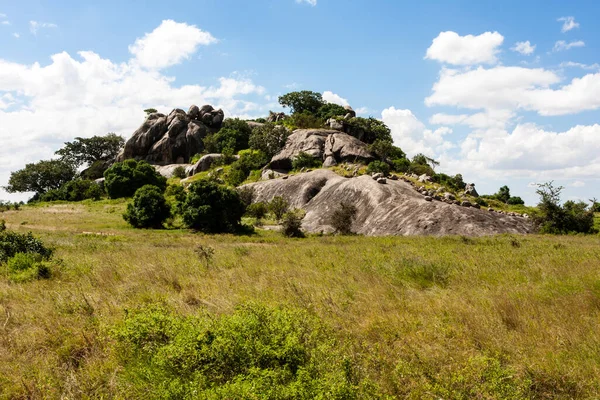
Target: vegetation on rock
{"x": 122, "y": 179}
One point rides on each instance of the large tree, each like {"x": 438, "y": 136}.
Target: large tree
{"x": 303, "y": 101}
{"x": 41, "y": 177}
{"x": 90, "y": 150}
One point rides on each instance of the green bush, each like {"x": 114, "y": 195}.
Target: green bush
{"x": 195, "y": 158}
{"x": 553, "y": 218}
{"x": 343, "y": 217}
{"x": 400, "y": 165}
{"x": 254, "y": 353}
{"x": 455, "y": 182}
{"x": 2, "y": 225}
{"x": 12, "y": 243}
{"x": 149, "y": 208}
{"x": 303, "y": 120}
{"x": 305, "y": 160}
{"x": 124, "y": 178}
{"x": 212, "y": 208}
{"x": 368, "y": 130}
{"x": 291, "y": 223}
{"x": 235, "y": 176}
{"x": 75, "y": 190}
{"x": 257, "y": 210}
{"x": 269, "y": 139}
{"x": 234, "y": 135}
{"x": 179, "y": 172}
{"x": 378, "y": 167}
{"x": 515, "y": 200}
{"x": 278, "y": 206}
{"x": 420, "y": 169}
{"x": 246, "y": 195}
{"x": 24, "y": 267}
{"x": 330, "y": 110}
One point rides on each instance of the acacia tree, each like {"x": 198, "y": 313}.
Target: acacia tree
{"x": 90, "y": 150}
{"x": 41, "y": 177}
{"x": 303, "y": 101}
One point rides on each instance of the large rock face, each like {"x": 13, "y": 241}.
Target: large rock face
{"x": 330, "y": 146}
{"x": 174, "y": 138}
{"x": 393, "y": 208}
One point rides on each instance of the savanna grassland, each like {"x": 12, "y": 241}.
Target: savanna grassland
{"x": 133, "y": 313}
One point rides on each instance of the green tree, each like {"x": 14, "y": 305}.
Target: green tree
{"x": 378, "y": 167}
{"x": 234, "y": 135}
{"x": 149, "y": 208}
{"x": 368, "y": 130}
{"x": 421, "y": 159}
{"x": 41, "y": 177}
{"x": 149, "y": 111}
{"x": 269, "y": 139}
{"x": 278, "y": 206}
{"x": 503, "y": 194}
{"x": 124, "y": 178}
{"x": 90, "y": 150}
{"x": 212, "y": 208}
{"x": 385, "y": 150}
{"x": 515, "y": 200}
{"x": 343, "y": 217}
{"x": 303, "y": 101}
{"x": 554, "y": 218}
{"x": 330, "y": 110}
{"x": 75, "y": 190}
{"x": 305, "y": 160}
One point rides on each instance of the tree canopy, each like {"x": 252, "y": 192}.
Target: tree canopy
{"x": 303, "y": 101}
{"x": 41, "y": 177}
{"x": 89, "y": 150}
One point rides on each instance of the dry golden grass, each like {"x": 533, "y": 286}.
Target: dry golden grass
{"x": 423, "y": 317}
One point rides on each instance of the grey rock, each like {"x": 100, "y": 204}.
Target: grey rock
{"x": 329, "y": 161}
{"x": 335, "y": 124}
{"x": 276, "y": 117}
{"x": 382, "y": 181}
{"x": 271, "y": 174}
{"x": 350, "y": 113}
{"x": 466, "y": 204}
{"x": 428, "y": 198}
{"x": 424, "y": 178}
{"x": 204, "y": 163}
{"x": 193, "y": 112}
{"x": 377, "y": 176}
{"x": 168, "y": 171}
{"x": 449, "y": 196}
{"x": 470, "y": 190}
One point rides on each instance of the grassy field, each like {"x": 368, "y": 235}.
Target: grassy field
{"x": 394, "y": 317}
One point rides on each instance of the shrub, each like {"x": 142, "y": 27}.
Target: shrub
{"x": 305, "y": 160}
{"x": 342, "y": 218}
{"x": 291, "y": 224}
{"x": 234, "y": 135}
{"x": 124, "y": 178}
{"x": 212, "y": 208}
{"x": 195, "y": 158}
{"x": 179, "y": 172}
{"x": 2, "y": 225}
{"x": 254, "y": 353}
{"x": 269, "y": 139}
{"x": 368, "y": 130}
{"x": 303, "y": 120}
{"x": 554, "y": 218}
{"x": 330, "y": 110}
{"x": 24, "y": 267}
{"x": 452, "y": 182}
{"x": 378, "y": 167}
{"x": 12, "y": 243}
{"x": 149, "y": 209}
{"x": 235, "y": 176}
{"x": 278, "y": 206}
{"x": 257, "y": 210}
{"x": 420, "y": 169}
{"x": 75, "y": 190}
{"x": 246, "y": 195}
{"x": 481, "y": 202}
{"x": 515, "y": 200}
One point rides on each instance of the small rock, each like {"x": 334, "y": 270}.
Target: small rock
{"x": 377, "y": 175}
{"x": 449, "y": 196}
{"x": 382, "y": 180}
{"x": 490, "y": 209}
{"x": 466, "y": 204}
{"x": 438, "y": 198}
{"x": 394, "y": 178}
{"x": 475, "y": 205}
{"x": 428, "y": 198}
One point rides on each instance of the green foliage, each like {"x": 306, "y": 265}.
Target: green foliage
{"x": 503, "y": 194}
{"x": 515, "y": 200}
{"x": 90, "y": 150}
{"x": 246, "y": 195}
{"x": 305, "y": 160}
{"x": 420, "y": 169}
{"x": 386, "y": 151}
{"x": 421, "y": 159}
{"x": 7, "y": 205}
{"x": 343, "y": 217}
{"x": 269, "y": 139}
{"x": 149, "y": 111}
{"x": 330, "y": 110}
{"x": 234, "y": 135}
{"x": 235, "y": 176}
{"x": 214, "y": 208}
{"x": 368, "y": 130}
{"x": 12, "y": 243}
{"x": 25, "y": 267}
{"x": 557, "y": 219}
{"x": 291, "y": 223}
{"x": 257, "y": 210}
{"x": 303, "y": 101}
{"x": 481, "y": 201}
{"x": 254, "y": 353}
{"x": 149, "y": 208}
{"x": 2, "y": 225}
{"x": 95, "y": 170}
{"x": 124, "y": 178}
{"x": 278, "y": 206}
{"x": 75, "y": 190}
{"x": 400, "y": 165}
{"x": 41, "y": 177}
{"x": 455, "y": 182}
{"x": 378, "y": 167}
{"x": 179, "y": 172}
{"x": 195, "y": 158}
{"x": 303, "y": 120}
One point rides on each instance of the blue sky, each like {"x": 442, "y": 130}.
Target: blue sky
{"x": 449, "y": 78}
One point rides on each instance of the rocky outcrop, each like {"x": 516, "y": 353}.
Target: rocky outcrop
{"x": 168, "y": 171}
{"x": 330, "y": 146}
{"x": 174, "y": 138}
{"x": 393, "y": 208}
{"x": 204, "y": 163}
{"x": 470, "y": 190}
{"x": 276, "y": 117}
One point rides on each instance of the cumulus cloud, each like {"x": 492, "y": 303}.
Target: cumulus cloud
{"x": 578, "y": 184}
{"x": 16, "y": 35}
{"x": 489, "y": 119}
{"x": 309, "y": 2}
{"x": 44, "y": 105}
{"x": 449, "y": 47}
{"x": 35, "y": 26}
{"x": 169, "y": 44}
{"x": 571, "y": 64}
{"x": 562, "y": 45}
{"x": 568, "y": 23}
{"x": 524, "y": 48}
{"x": 515, "y": 88}
{"x": 331, "y": 97}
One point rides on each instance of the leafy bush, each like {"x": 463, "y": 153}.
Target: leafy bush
{"x": 420, "y": 169}
{"x": 304, "y": 101}
{"x": 254, "y": 353}
{"x": 234, "y": 135}
{"x": 257, "y": 210}
{"x": 303, "y": 120}
{"x": 330, "y": 110}
{"x": 343, "y": 217}
{"x": 455, "y": 182}
{"x": 124, "y": 178}
{"x": 278, "y": 206}
{"x": 212, "y": 208}
{"x": 305, "y": 160}
{"x": 557, "y": 219}
{"x": 515, "y": 200}
{"x": 195, "y": 158}
{"x": 2, "y": 225}
{"x": 179, "y": 172}
{"x": 75, "y": 190}
{"x": 235, "y": 176}
{"x": 400, "y": 165}
{"x": 368, "y": 130}
{"x": 269, "y": 139}
{"x": 291, "y": 224}
{"x": 481, "y": 201}
{"x": 12, "y": 243}
{"x": 24, "y": 267}
{"x": 149, "y": 209}
{"x": 378, "y": 167}
{"x": 246, "y": 195}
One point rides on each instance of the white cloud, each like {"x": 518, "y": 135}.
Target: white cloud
{"x": 363, "y": 110}
{"x": 568, "y": 23}
{"x": 5, "y": 23}
{"x": 451, "y": 48}
{"x": 524, "y": 48}
{"x": 331, "y": 97}
{"x": 412, "y": 136}
{"x": 489, "y": 119}
{"x": 571, "y": 64}
{"x": 169, "y": 44}
{"x": 35, "y": 26}
{"x": 562, "y": 45}
{"x": 44, "y": 105}
{"x": 16, "y": 35}
{"x": 502, "y": 88}
{"x": 309, "y": 2}
{"x": 578, "y": 184}
{"x": 3, "y": 15}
